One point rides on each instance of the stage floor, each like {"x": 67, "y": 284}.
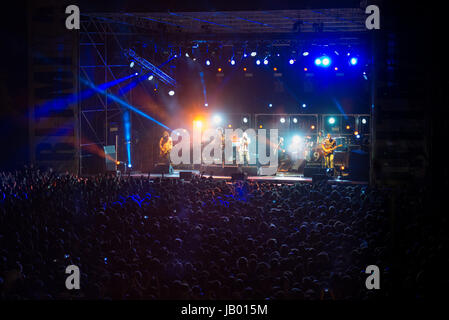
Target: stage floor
{"x": 286, "y": 177}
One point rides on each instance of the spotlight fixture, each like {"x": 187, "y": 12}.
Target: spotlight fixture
{"x": 295, "y": 120}
{"x": 257, "y": 61}
{"x": 232, "y": 62}
{"x": 364, "y": 121}
{"x": 217, "y": 119}
{"x": 207, "y": 62}
{"x": 253, "y": 54}
{"x": 304, "y": 105}
{"x": 331, "y": 120}
{"x": 245, "y": 120}
{"x": 131, "y": 65}
{"x": 305, "y": 53}
{"x": 206, "y": 104}
{"x": 265, "y": 61}
{"x": 270, "y": 105}
{"x": 282, "y": 120}
{"x": 171, "y": 93}
{"x": 150, "y": 77}
{"x": 291, "y": 61}
{"x": 318, "y": 61}
{"x": 353, "y": 61}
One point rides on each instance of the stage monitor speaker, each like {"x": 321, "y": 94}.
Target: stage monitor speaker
{"x": 110, "y": 155}
{"x": 358, "y": 165}
{"x": 185, "y": 175}
{"x": 238, "y": 176}
{"x": 319, "y": 177}
{"x": 249, "y": 170}
{"x": 310, "y": 171}
{"x": 162, "y": 168}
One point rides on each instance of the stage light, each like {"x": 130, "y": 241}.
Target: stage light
{"x": 295, "y": 120}
{"x": 305, "y": 53}
{"x": 336, "y": 69}
{"x": 219, "y": 69}
{"x": 312, "y": 127}
{"x": 348, "y": 127}
{"x": 245, "y": 55}
{"x": 244, "y": 69}
{"x": 245, "y": 120}
{"x": 282, "y": 120}
{"x": 326, "y": 62}
{"x": 253, "y": 54}
{"x": 217, "y": 119}
{"x": 261, "y": 126}
{"x": 291, "y": 61}
{"x": 171, "y": 93}
{"x": 207, "y": 62}
{"x": 265, "y": 61}
{"x": 229, "y": 126}
{"x": 317, "y": 61}
{"x": 206, "y": 104}
{"x": 131, "y": 65}
{"x": 342, "y": 168}
{"x": 353, "y": 61}
{"x": 232, "y": 62}
{"x": 150, "y": 77}
{"x": 198, "y": 123}
{"x": 257, "y": 61}
{"x": 187, "y": 55}
{"x": 356, "y": 133}
{"x": 296, "y": 139}
{"x": 129, "y": 165}
{"x": 357, "y": 136}
{"x": 117, "y": 162}
{"x": 305, "y": 69}
{"x": 136, "y": 74}
{"x": 270, "y": 105}
{"x": 364, "y": 121}
{"x": 304, "y": 105}
{"x": 331, "y": 120}
{"x": 275, "y": 69}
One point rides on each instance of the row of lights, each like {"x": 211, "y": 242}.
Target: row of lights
{"x": 150, "y": 78}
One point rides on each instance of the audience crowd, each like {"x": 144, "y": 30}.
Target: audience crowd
{"x": 137, "y": 238}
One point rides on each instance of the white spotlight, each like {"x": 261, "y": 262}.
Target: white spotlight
{"x": 131, "y": 64}
{"x": 217, "y": 119}
{"x": 265, "y": 62}
{"x": 253, "y": 54}
{"x": 282, "y": 120}
{"x": 245, "y": 120}
{"x": 150, "y": 77}
{"x": 295, "y": 120}
{"x": 171, "y": 93}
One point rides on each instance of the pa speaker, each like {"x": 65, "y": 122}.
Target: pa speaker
{"x": 358, "y": 165}
{"x": 162, "y": 168}
{"x": 310, "y": 171}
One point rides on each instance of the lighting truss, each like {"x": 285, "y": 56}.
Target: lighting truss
{"x": 146, "y": 65}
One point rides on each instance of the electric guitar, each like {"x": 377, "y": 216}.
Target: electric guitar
{"x": 330, "y": 150}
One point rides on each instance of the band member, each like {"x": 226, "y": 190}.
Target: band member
{"x": 319, "y": 138}
{"x": 221, "y": 137}
{"x": 165, "y": 146}
{"x": 329, "y": 145}
{"x": 244, "y": 148}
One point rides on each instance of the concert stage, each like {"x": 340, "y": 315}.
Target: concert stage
{"x": 285, "y": 178}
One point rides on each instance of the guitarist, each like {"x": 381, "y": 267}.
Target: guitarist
{"x": 165, "y": 146}
{"x": 329, "y": 145}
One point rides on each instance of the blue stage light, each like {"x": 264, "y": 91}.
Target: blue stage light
{"x": 270, "y": 105}
{"x": 304, "y": 105}
{"x": 131, "y": 64}
{"x": 150, "y": 77}
{"x": 331, "y": 120}
{"x": 353, "y": 61}
{"x": 305, "y": 53}
{"x": 326, "y": 61}
{"x": 291, "y": 61}
{"x": 257, "y": 61}
{"x": 265, "y": 61}
{"x": 318, "y": 61}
